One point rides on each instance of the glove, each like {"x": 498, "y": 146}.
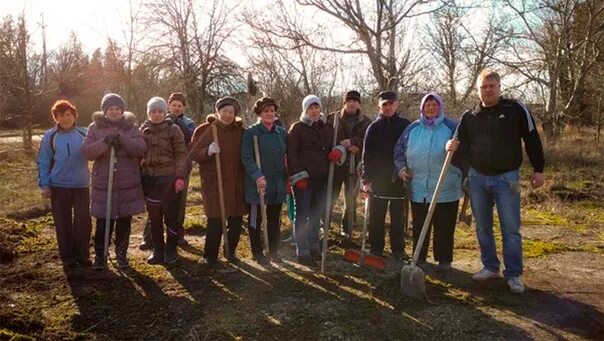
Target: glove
{"x": 354, "y": 149}
{"x": 261, "y": 185}
{"x": 179, "y": 185}
{"x": 334, "y": 155}
{"x": 45, "y": 192}
{"x": 302, "y": 184}
{"x": 366, "y": 190}
{"x": 213, "y": 149}
{"x": 288, "y": 186}
{"x": 112, "y": 139}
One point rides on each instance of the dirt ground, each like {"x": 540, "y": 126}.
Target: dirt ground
{"x": 563, "y": 230}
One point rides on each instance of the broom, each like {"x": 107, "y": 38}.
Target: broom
{"x": 413, "y": 282}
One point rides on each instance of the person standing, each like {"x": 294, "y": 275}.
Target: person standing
{"x": 351, "y": 132}
{"x": 380, "y": 181}
{"x": 113, "y": 127}
{"x": 270, "y": 180}
{"x": 309, "y": 152}
{"x": 163, "y": 172}
{"x": 204, "y": 149}
{"x": 418, "y": 159}
{"x": 63, "y": 177}
{"x": 490, "y": 137}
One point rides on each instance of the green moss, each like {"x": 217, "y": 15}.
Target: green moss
{"x": 9, "y": 335}
{"x": 537, "y": 248}
{"x": 538, "y": 217}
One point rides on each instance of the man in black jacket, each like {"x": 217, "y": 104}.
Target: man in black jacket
{"x": 351, "y": 132}
{"x": 379, "y": 179}
{"x": 490, "y": 139}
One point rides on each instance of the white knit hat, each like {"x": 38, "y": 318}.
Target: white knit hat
{"x": 308, "y": 101}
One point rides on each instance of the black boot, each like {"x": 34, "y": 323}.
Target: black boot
{"x": 171, "y": 252}
{"x": 99, "y": 263}
{"x": 157, "y": 257}
{"x": 147, "y": 243}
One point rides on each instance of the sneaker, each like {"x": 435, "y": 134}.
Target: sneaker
{"x": 485, "y": 274}
{"x": 261, "y": 259}
{"x": 157, "y": 257}
{"x": 307, "y": 261}
{"x": 444, "y": 266}
{"x": 144, "y": 246}
{"x": 122, "y": 261}
{"x": 99, "y": 264}
{"x": 515, "y": 284}
{"x": 171, "y": 254}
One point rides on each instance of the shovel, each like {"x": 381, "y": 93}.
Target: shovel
{"x": 225, "y": 239}
{"x": 261, "y": 195}
{"x": 327, "y": 218}
{"x": 413, "y": 282}
{"x": 464, "y": 216}
{"x": 350, "y": 205}
{"x": 355, "y": 256}
{"x": 109, "y": 195}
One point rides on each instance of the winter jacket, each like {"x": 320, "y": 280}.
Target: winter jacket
{"x": 60, "y": 161}
{"x": 378, "y": 154}
{"x": 166, "y": 150}
{"x": 421, "y": 148}
{"x": 186, "y": 125}
{"x": 490, "y": 138}
{"x": 272, "y": 147}
{"x": 351, "y": 126}
{"x": 229, "y": 140}
{"x": 127, "y": 198}
{"x": 308, "y": 145}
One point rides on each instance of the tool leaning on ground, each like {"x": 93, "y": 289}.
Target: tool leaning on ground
{"x": 327, "y": 218}
{"x": 264, "y": 223}
{"x": 360, "y": 258}
{"x": 464, "y": 216}
{"x": 225, "y": 239}
{"x": 413, "y": 281}
{"x": 112, "y": 162}
{"x": 351, "y": 204}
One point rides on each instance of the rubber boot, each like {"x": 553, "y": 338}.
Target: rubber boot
{"x": 147, "y": 243}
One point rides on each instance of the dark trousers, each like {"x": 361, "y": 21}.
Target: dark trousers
{"x": 310, "y": 204}
{"x": 71, "y": 214}
{"x": 341, "y": 177}
{"x": 163, "y": 204}
{"x": 214, "y": 234}
{"x": 377, "y": 224}
{"x": 443, "y": 220}
{"x": 122, "y": 235}
{"x": 273, "y": 218}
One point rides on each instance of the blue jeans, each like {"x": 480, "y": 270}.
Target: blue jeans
{"x": 503, "y": 191}
{"x": 310, "y": 203}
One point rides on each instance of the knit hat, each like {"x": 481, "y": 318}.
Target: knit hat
{"x": 354, "y": 95}
{"x": 177, "y": 96}
{"x": 308, "y": 101}
{"x": 228, "y": 100}
{"x": 156, "y": 103}
{"x": 112, "y": 99}
{"x": 263, "y": 103}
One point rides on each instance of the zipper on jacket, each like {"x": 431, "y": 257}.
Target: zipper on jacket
{"x": 490, "y": 138}
{"x": 429, "y": 152}
{"x": 68, "y": 150}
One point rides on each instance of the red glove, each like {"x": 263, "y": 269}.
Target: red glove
{"x": 302, "y": 184}
{"x": 179, "y": 185}
{"x": 334, "y": 155}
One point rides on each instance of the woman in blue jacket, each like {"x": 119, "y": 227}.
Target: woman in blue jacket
{"x": 418, "y": 158}
{"x": 271, "y": 179}
{"x": 63, "y": 177}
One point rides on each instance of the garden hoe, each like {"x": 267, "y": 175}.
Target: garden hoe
{"x": 225, "y": 239}
{"x": 464, "y": 216}
{"x": 327, "y": 219}
{"x": 413, "y": 282}
{"x": 261, "y": 195}
{"x": 351, "y": 204}
{"x": 109, "y": 199}
{"x": 355, "y": 256}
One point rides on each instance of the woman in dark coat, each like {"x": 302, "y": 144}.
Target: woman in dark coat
{"x": 114, "y": 127}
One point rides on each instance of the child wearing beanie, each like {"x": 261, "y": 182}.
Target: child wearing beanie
{"x": 114, "y": 128}
{"x": 163, "y": 171}
{"x": 309, "y": 152}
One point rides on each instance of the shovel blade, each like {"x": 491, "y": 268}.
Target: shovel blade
{"x": 413, "y": 282}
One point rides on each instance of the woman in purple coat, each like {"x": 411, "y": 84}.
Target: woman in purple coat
{"x": 114, "y": 127}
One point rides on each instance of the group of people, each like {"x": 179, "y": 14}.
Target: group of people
{"x": 252, "y": 170}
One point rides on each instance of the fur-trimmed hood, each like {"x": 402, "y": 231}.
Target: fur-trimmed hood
{"x": 128, "y": 120}
{"x": 308, "y": 121}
